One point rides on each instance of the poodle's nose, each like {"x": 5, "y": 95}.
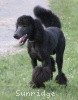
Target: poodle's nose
{"x": 16, "y": 36}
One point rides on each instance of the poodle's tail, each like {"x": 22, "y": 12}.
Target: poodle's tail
{"x": 47, "y": 17}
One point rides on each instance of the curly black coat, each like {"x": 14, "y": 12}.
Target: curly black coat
{"x": 42, "y": 43}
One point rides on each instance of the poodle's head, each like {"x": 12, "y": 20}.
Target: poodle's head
{"x": 24, "y": 27}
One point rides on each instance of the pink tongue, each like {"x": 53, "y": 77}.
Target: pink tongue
{"x": 22, "y": 40}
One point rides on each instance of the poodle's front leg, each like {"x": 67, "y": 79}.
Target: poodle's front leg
{"x": 46, "y": 61}
{"x": 43, "y": 73}
{"x": 34, "y": 63}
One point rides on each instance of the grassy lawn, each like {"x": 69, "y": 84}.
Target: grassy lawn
{"x": 16, "y": 70}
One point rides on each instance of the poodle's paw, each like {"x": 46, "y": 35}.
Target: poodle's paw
{"x": 61, "y": 79}
{"x": 33, "y": 85}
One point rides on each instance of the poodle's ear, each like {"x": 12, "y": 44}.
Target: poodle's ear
{"x": 39, "y": 30}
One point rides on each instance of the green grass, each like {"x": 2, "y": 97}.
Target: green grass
{"x": 16, "y": 70}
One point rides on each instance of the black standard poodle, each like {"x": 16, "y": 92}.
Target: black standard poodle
{"x": 42, "y": 43}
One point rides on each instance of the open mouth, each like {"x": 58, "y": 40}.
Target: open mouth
{"x": 22, "y": 40}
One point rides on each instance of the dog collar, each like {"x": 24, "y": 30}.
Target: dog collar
{"x": 30, "y": 41}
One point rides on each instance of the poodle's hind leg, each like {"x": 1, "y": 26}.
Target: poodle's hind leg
{"x": 52, "y": 67}
{"x": 60, "y": 78}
